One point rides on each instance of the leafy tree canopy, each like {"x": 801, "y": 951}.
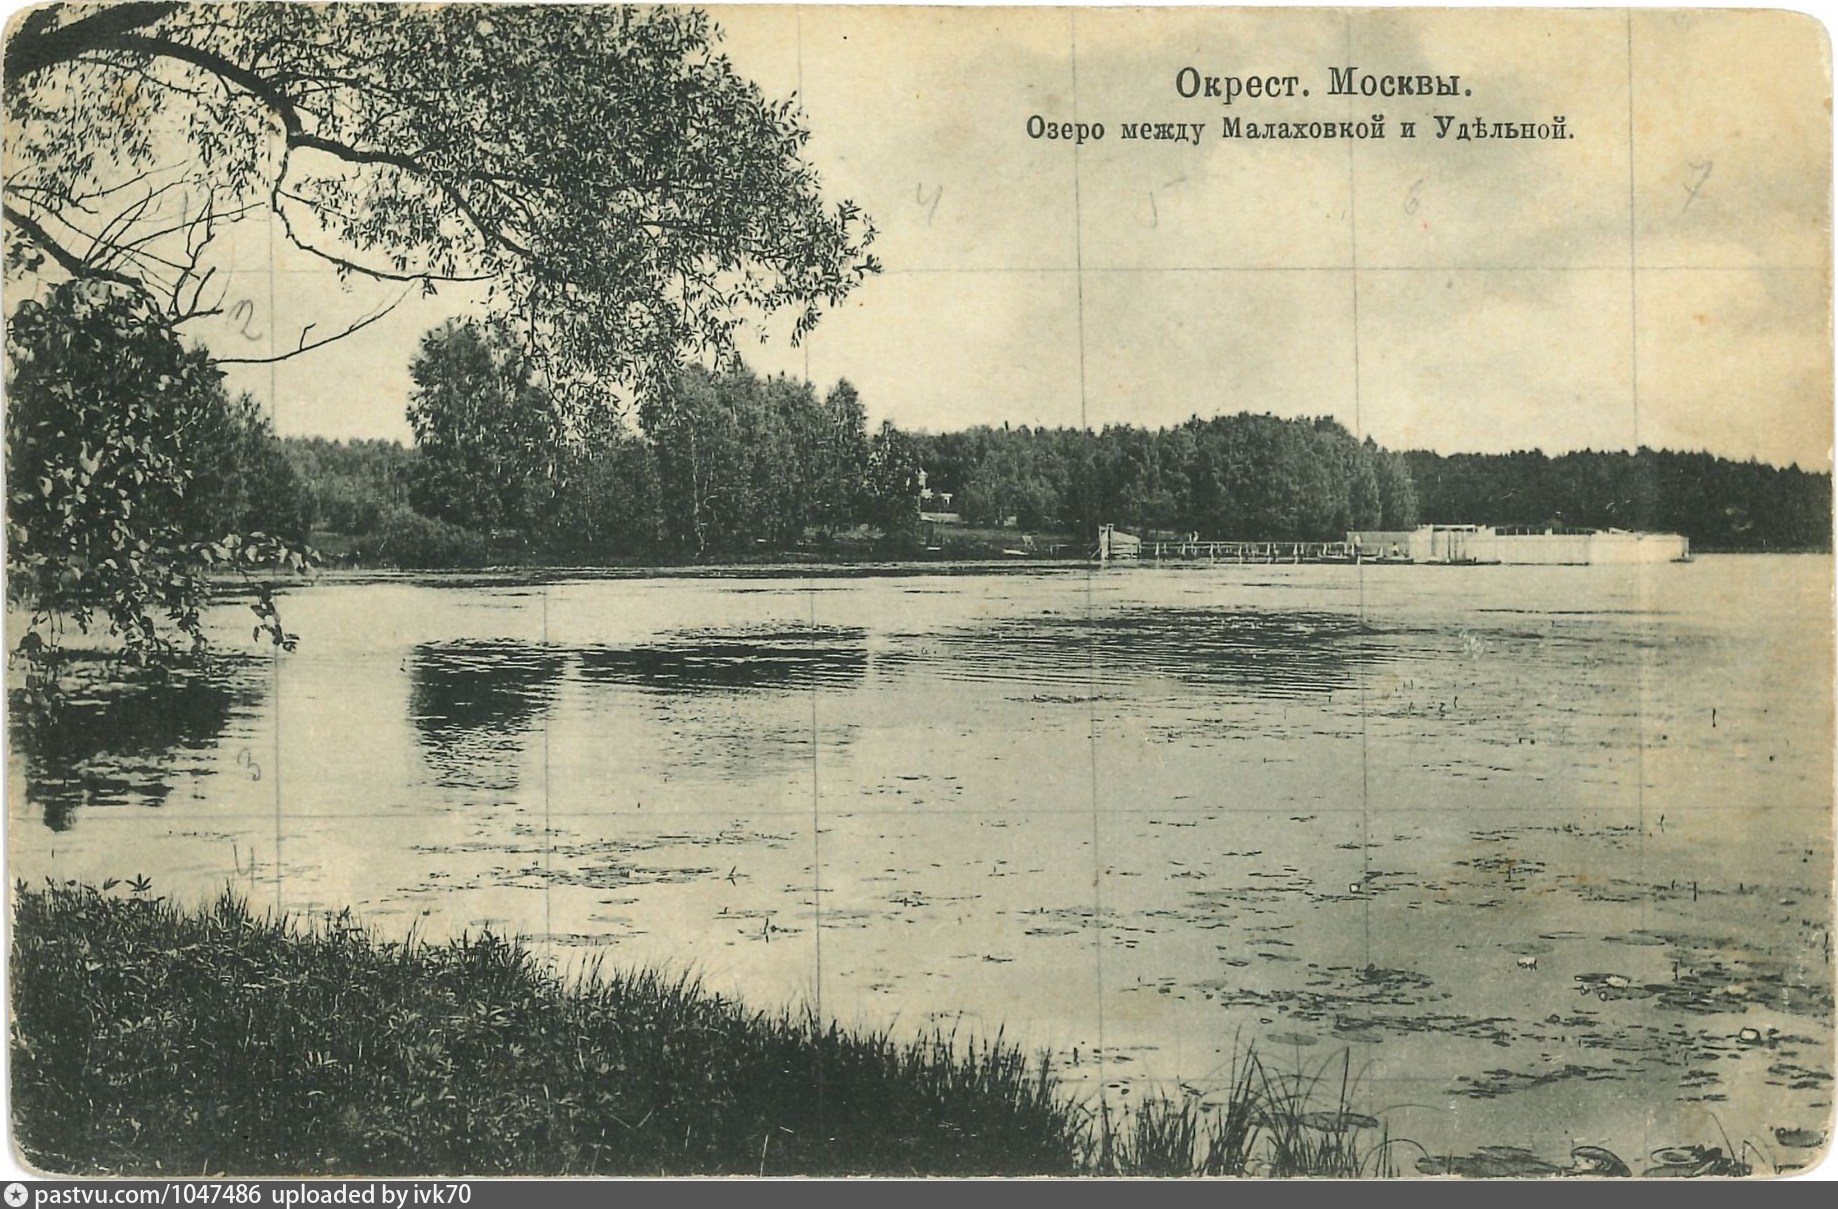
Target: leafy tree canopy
{"x": 488, "y": 436}
{"x": 105, "y": 519}
{"x": 603, "y": 173}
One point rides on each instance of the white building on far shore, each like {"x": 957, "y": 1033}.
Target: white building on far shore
{"x": 1547, "y": 545}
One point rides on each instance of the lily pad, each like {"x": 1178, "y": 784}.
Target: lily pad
{"x": 1594, "y": 1160}
{"x": 1337, "y": 1122}
{"x": 1800, "y": 1139}
{"x": 1491, "y": 1163}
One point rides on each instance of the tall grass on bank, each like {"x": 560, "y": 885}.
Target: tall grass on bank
{"x": 148, "y": 1038}
{"x": 1265, "y": 1123}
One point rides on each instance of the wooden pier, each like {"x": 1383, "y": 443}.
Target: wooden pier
{"x": 1248, "y": 552}
{"x": 1123, "y": 548}
{"x": 1445, "y": 545}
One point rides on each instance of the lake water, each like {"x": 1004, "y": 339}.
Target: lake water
{"x": 1532, "y": 847}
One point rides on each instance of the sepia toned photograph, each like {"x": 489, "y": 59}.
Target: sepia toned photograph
{"x": 776, "y": 590}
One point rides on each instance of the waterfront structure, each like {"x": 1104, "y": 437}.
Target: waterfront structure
{"x": 1114, "y": 544}
{"x": 1542, "y": 545}
{"x": 1470, "y": 545}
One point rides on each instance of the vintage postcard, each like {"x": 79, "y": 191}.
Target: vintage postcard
{"x": 779, "y": 590}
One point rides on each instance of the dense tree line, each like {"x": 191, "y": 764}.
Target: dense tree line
{"x": 1229, "y": 477}
{"x": 1718, "y": 503}
{"x": 352, "y": 486}
{"x": 716, "y": 464}
{"x": 729, "y": 463}
{"x": 732, "y": 463}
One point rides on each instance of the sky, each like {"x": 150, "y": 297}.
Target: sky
{"x": 1661, "y": 278}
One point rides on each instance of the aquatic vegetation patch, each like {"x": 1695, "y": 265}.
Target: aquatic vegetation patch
{"x": 1797, "y": 1077}
{"x": 1494, "y": 1083}
{"x": 1761, "y": 981}
{"x": 1491, "y": 1163}
{"x": 1345, "y": 999}
{"x": 1290, "y": 654}
{"x": 1515, "y": 1162}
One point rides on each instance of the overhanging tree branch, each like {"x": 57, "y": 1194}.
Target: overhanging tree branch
{"x": 304, "y": 347}
{"x": 71, "y": 263}
{"x": 408, "y": 163}
{"x": 592, "y": 164}
{"x": 38, "y": 44}
{"x": 298, "y": 138}
{"x": 224, "y": 69}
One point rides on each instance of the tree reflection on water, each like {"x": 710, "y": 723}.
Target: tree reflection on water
{"x": 474, "y": 705}
{"x": 119, "y": 741}
{"x": 800, "y": 659}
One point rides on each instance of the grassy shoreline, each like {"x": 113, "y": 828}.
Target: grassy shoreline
{"x": 148, "y": 1038}
{"x": 151, "y": 1039}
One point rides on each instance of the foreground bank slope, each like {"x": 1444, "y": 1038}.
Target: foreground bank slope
{"x": 151, "y": 1039}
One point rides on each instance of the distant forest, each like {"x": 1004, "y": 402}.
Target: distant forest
{"x": 1717, "y": 503}
{"x": 366, "y": 497}
{"x": 733, "y": 465}
{"x": 1250, "y": 477}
